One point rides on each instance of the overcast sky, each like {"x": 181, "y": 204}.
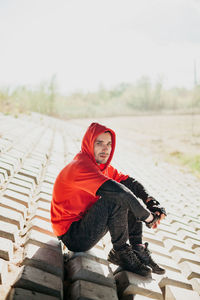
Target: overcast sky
{"x": 85, "y": 43}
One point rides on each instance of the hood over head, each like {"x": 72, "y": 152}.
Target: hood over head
{"x": 89, "y": 138}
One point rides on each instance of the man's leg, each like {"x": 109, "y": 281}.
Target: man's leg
{"x": 105, "y": 215}
{"x": 141, "y": 250}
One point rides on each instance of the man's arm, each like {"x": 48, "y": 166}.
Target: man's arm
{"x": 139, "y": 191}
{"x": 137, "y": 188}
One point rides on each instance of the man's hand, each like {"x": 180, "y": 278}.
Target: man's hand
{"x": 152, "y": 220}
{"x": 154, "y": 206}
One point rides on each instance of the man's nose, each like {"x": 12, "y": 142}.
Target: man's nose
{"x": 105, "y": 147}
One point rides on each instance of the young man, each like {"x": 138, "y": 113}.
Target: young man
{"x": 91, "y": 197}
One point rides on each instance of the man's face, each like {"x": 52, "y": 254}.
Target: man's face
{"x": 102, "y": 147}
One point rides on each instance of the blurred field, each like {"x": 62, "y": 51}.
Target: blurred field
{"x": 173, "y": 138}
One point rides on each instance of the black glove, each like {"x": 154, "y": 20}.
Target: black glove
{"x": 155, "y": 219}
{"x": 154, "y": 206}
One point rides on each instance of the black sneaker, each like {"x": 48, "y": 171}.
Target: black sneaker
{"x": 128, "y": 260}
{"x": 144, "y": 255}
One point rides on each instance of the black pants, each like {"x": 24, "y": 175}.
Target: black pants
{"x": 112, "y": 214}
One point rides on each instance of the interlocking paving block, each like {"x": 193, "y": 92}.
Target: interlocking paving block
{"x": 176, "y": 293}
{"x": 46, "y": 206}
{"x": 134, "y": 297}
{"x": 180, "y": 256}
{"x": 95, "y": 254}
{"x": 153, "y": 238}
{"x": 34, "y": 279}
{"x": 4, "y": 173}
{"x": 2, "y": 179}
{"x": 13, "y": 217}
{"x": 46, "y": 190}
{"x": 156, "y": 249}
{"x": 130, "y": 283}
{"x": 3, "y": 271}
{"x": 7, "y": 167}
{"x": 91, "y": 291}
{"x": 6, "y": 249}
{"x": 9, "y": 231}
{"x": 13, "y": 205}
{"x": 44, "y": 197}
{"x": 22, "y": 294}
{"x": 83, "y": 268}
{"x": 193, "y": 243}
{"x": 176, "y": 245}
{"x": 196, "y": 284}
{"x": 42, "y": 239}
{"x": 163, "y": 236}
{"x": 25, "y": 179}
{"x": 190, "y": 270}
{"x": 22, "y": 183}
{"x": 19, "y": 189}
{"x": 30, "y": 174}
{"x": 44, "y": 258}
{"x": 41, "y": 226}
{"x": 17, "y": 197}
{"x": 172, "y": 278}
{"x": 43, "y": 215}
{"x": 184, "y": 235}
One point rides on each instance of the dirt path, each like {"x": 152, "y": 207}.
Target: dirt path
{"x": 162, "y": 136}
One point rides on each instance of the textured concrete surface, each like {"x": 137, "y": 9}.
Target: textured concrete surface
{"x": 35, "y": 265}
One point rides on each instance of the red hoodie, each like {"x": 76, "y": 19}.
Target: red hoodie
{"x": 75, "y": 188}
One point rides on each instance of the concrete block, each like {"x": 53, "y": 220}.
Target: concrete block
{"x": 130, "y": 284}
{"x": 41, "y": 226}
{"x": 34, "y": 279}
{"x": 46, "y": 206}
{"x": 190, "y": 270}
{"x": 172, "y": 278}
{"x": 13, "y": 205}
{"x": 177, "y": 245}
{"x": 6, "y": 249}
{"x": 158, "y": 250}
{"x": 33, "y": 175}
{"x": 20, "y": 189}
{"x": 176, "y": 293}
{"x": 91, "y": 291}
{"x": 24, "y": 200}
{"x": 23, "y": 183}
{"x": 4, "y": 173}
{"x": 193, "y": 243}
{"x": 12, "y": 217}
{"x": 91, "y": 254}
{"x": 152, "y": 238}
{"x": 26, "y": 179}
{"x": 180, "y": 256}
{"x": 134, "y": 297}
{"x": 43, "y": 215}
{"x": 2, "y": 179}
{"x": 7, "y": 167}
{"x": 83, "y": 268}
{"x": 44, "y": 258}
{"x": 44, "y": 197}
{"x": 9, "y": 231}
{"x": 196, "y": 285}
{"x": 41, "y": 239}
{"x": 184, "y": 235}
{"x": 3, "y": 271}
{"x": 22, "y": 294}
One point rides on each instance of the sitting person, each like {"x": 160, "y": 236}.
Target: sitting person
{"x": 90, "y": 198}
